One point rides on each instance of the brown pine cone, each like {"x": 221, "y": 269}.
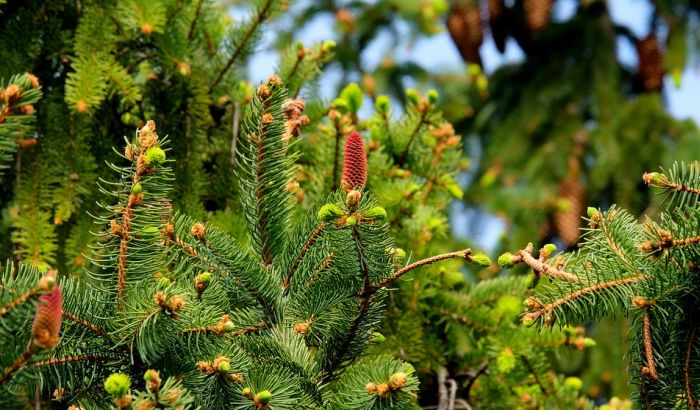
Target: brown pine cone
{"x": 498, "y": 24}
{"x": 567, "y": 222}
{"x": 650, "y": 74}
{"x": 466, "y": 29}
{"x": 537, "y": 14}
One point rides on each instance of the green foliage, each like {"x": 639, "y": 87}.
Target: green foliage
{"x": 644, "y": 269}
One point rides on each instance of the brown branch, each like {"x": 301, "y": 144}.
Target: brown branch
{"x": 542, "y": 309}
{"x": 692, "y": 404}
{"x": 650, "y": 369}
{"x": 532, "y": 371}
{"x": 326, "y": 262}
{"x": 460, "y": 254}
{"x": 525, "y": 255}
{"x": 402, "y": 158}
{"x": 307, "y": 245}
{"x": 83, "y": 322}
{"x": 16, "y": 365}
{"x": 70, "y": 359}
{"x": 194, "y": 20}
{"x": 262, "y": 13}
{"x": 22, "y": 299}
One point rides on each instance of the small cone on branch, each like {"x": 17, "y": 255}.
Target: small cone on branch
{"x": 47, "y": 319}
{"x": 498, "y": 24}
{"x": 466, "y": 29}
{"x": 537, "y": 14}
{"x": 650, "y": 74}
{"x": 568, "y": 221}
{"x": 354, "y": 163}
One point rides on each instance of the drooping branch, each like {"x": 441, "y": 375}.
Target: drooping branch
{"x": 16, "y": 365}
{"x": 650, "y": 368}
{"x": 415, "y": 265}
{"x": 541, "y": 309}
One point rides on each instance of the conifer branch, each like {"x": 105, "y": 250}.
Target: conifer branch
{"x": 259, "y": 18}
{"x": 16, "y": 365}
{"x": 307, "y": 245}
{"x": 219, "y": 331}
{"x": 541, "y": 309}
{"x": 525, "y": 256}
{"x": 194, "y": 20}
{"x": 531, "y": 370}
{"x": 70, "y": 359}
{"x": 22, "y": 299}
{"x": 87, "y": 324}
{"x": 324, "y": 264}
{"x": 459, "y": 254}
{"x": 402, "y": 158}
{"x": 650, "y": 369}
{"x": 659, "y": 180}
{"x": 687, "y": 382}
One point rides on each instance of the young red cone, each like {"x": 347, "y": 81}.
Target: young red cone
{"x": 354, "y": 163}
{"x": 47, "y": 319}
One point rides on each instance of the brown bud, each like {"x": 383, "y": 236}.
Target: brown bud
{"x": 199, "y": 231}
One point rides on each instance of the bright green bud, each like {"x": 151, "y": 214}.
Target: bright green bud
{"x": 228, "y": 326}
{"x": 300, "y": 45}
{"x": 382, "y": 104}
{"x": 654, "y": 178}
{"x": 505, "y": 261}
{"x": 351, "y": 220}
{"x": 398, "y": 253}
{"x": 480, "y": 259}
{"x": 224, "y": 366}
{"x": 204, "y": 277}
{"x": 376, "y": 212}
{"x": 455, "y": 191}
{"x": 117, "y": 384}
{"x": 328, "y": 212}
{"x": 341, "y": 105}
{"x": 163, "y": 282}
{"x": 328, "y": 45}
{"x": 352, "y": 93}
{"x": 155, "y": 156}
{"x": 433, "y": 96}
{"x": 412, "y": 96}
{"x": 588, "y": 342}
{"x": 474, "y": 69}
{"x": 136, "y": 189}
{"x": 482, "y": 83}
{"x": 150, "y": 375}
{"x": 592, "y": 212}
{"x": 377, "y": 338}
{"x": 573, "y": 383}
{"x": 264, "y": 397}
{"x": 677, "y": 77}
{"x": 150, "y": 232}
{"x": 550, "y": 248}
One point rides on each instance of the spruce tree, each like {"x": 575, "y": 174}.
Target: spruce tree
{"x": 644, "y": 268}
{"x": 279, "y": 323}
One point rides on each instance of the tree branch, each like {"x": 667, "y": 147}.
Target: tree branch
{"x": 460, "y": 254}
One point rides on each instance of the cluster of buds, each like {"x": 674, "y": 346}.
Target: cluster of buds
{"x": 152, "y": 379}
{"x": 261, "y": 400}
{"x": 395, "y": 383}
{"x": 201, "y": 282}
{"x": 221, "y": 365}
{"x": 172, "y": 306}
{"x": 423, "y": 104}
{"x": 224, "y": 326}
{"x": 118, "y": 385}
{"x": 303, "y": 328}
{"x": 294, "y": 118}
{"x": 265, "y": 90}
{"x": 199, "y": 231}
{"x": 11, "y": 96}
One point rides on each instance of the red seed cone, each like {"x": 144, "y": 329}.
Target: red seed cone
{"x": 466, "y": 29}
{"x": 354, "y": 163}
{"x": 47, "y": 320}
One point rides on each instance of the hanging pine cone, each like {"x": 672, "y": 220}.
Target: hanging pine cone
{"x": 650, "y": 74}
{"x": 568, "y": 221}
{"x": 537, "y": 14}
{"x": 498, "y": 24}
{"x": 466, "y": 29}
